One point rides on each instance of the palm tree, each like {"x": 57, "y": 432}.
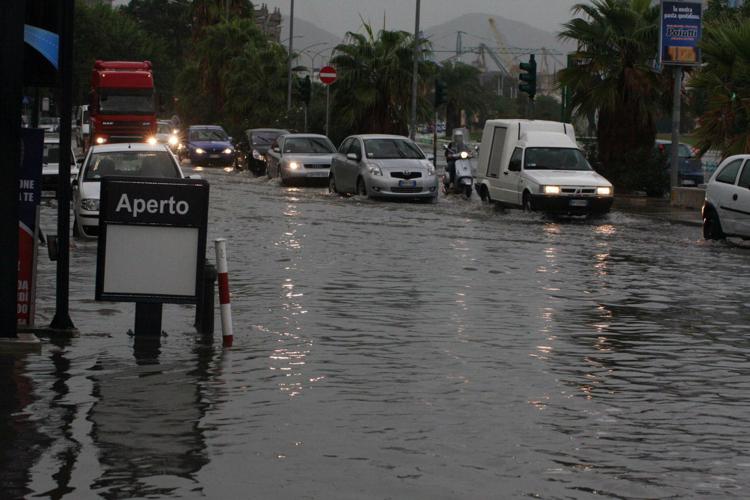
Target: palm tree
{"x": 464, "y": 92}
{"x": 373, "y": 90}
{"x": 613, "y": 77}
{"x": 725, "y": 80}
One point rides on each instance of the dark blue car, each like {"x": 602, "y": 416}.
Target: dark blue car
{"x": 207, "y": 145}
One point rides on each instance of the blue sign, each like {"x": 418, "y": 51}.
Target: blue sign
{"x": 680, "y": 33}
{"x": 46, "y": 42}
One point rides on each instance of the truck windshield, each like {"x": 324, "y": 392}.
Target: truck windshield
{"x": 392, "y": 149}
{"x": 555, "y": 159}
{"x": 126, "y": 101}
{"x": 131, "y": 164}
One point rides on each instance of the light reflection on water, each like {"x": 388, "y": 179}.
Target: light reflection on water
{"x": 407, "y": 351}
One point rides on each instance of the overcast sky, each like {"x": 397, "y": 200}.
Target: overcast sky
{"x": 340, "y": 16}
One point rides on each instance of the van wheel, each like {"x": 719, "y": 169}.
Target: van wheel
{"x": 528, "y": 204}
{"x": 484, "y": 193}
{"x": 332, "y": 184}
{"x": 712, "y": 227}
{"x": 361, "y": 188}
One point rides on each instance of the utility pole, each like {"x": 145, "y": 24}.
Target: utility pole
{"x": 414, "y": 77}
{"x": 62, "y": 320}
{"x": 674, "y": 149}
{"x": 291, "y": 57}
{"x": 11, "y": 86}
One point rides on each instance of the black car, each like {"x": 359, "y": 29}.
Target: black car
{"x": 256, "y": 143}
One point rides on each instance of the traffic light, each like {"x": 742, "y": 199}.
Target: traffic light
{"x": 440, "y": 97}
{"x": 529, "y": 77}
{"x": 305, "y": 89}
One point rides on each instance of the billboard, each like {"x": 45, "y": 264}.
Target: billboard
{"x": 680, "y": 33}
{"x": 29, "y": 194}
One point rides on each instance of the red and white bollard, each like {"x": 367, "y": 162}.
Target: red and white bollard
{"x": 223, "y": 276}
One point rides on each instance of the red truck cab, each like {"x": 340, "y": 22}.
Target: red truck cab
{"x": 122, "y": 102}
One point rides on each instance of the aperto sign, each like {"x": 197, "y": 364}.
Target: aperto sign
{"x": 680, "y": 33}
{"x": 152, "y": 239}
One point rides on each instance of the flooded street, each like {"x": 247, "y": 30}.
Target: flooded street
{"x": 401, "y": 350}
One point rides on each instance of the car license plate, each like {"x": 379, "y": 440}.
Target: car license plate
{"x": 579, "y": 203}
{"x": 319, "y": 174}
{"x": 214, "y": 156}
{"x": 407, "y": 184}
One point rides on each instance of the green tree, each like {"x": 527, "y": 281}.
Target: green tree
{"x": 725, "y": 80}
{"x": 464, "y": 92}
{"x": 373, "y": 89}
{"x": 617, "y": 42}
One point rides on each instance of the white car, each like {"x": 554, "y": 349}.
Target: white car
{"x": 726, "y": 209}
{"x": 383, "y": 166}
{"x": 126, "y": 159}
{"x": 51, "y": 164}
{"x": 300, "y": 156}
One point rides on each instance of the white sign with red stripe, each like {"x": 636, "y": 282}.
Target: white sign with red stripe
{"x": 224, "y": 298}
{"x": 327, "y": 75}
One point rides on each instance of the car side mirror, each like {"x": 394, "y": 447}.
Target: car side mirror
{"x": 196, "y": 177}
{"x": 277, "y": 149}
{"x": 231, "y": 138}
{"x": 352, "y": 156}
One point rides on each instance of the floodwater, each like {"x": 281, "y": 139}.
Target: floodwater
{"x": 401, "y": 350}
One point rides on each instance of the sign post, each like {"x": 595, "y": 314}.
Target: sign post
{"x": 152, "y": 245}
{"x": 327, "y": 77}
{"x": 679, "y": 38}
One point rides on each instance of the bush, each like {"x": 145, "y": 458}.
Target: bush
{"x": 643, "y": 170}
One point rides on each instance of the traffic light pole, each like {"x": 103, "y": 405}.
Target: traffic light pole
{"x": 434, "y": 139}
{"x": 676, "y": 105}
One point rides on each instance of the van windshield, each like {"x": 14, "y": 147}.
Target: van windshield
{"x": 555, "y": 159}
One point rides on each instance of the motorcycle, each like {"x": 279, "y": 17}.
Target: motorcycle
{"x": 463, "y": 180}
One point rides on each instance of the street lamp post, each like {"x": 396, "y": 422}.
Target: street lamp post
{"x": 414, "y": 77}
{"x": 291, "y": 57}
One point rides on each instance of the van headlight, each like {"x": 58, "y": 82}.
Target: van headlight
{"x": 604, "y": 191}
{"x": 551, "y": 189}
{"x": 90, "y": 205}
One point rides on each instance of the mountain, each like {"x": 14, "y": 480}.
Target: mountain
{"x": 520, "y": 38}
{"x": 312, "y": 43}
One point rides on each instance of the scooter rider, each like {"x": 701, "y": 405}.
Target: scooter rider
{"x": 455, "y": 148}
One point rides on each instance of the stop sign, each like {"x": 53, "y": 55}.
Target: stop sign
{"x": 327, "y": 75}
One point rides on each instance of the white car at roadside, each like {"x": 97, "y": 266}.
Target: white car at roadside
{"x": 124, "y": 160}
{"x": 726, "y": 209}
{"x": 51, "y": 165}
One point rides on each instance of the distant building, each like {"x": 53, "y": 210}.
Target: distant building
{"x": 269, "y": 22}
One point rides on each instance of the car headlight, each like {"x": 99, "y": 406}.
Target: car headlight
{"x": 430, "y": 170}
{"x": 90, "y": 205}
{"x": 551, "y": 189}
{"x": 257, "y": 155}
{"x": 173, "y": 140}
{"x": 293, "y": 165}
{"x": 375, "y": 170}
{"x": 604, "y": 191}
{"x": 464, "y": 155}
{"x": 199, "y": 151}
{"x": 228, "y": 151}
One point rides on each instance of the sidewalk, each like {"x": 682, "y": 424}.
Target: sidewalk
{"x": 658, "y": 208}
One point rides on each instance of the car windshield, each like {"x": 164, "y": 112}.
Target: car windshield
{"x": 126, "y": 101}
{"x": 555, "y": 159}
{"x": 208, "y": 134}
{"x": 389, "y": 149}
{"x": 51, "y": 153}
{"x": 131, "y": 164}
{"x": 264, "y": 138}
{"x": 308, "y": 145}
{"x": 163, "y": 128}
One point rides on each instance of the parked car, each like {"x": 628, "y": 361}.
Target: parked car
{"x": 121, "y": 159}
{"x": 207, "y": 145}
{"x": 51, "y": 165}
{"x": 537, "y": 165}
{"x": 387, "y": 166}
{"x": 690, "y": 168}
{"x": 300, "y": 156}
{"x": 255, "y": 146}
{"x": 167, "y": 134}
{"x": 726, "y": 209}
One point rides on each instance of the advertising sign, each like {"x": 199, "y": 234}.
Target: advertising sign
{"x": 29, "y": 193}
{"x": 152, "y": 239}
{"x": 680, "y": 33}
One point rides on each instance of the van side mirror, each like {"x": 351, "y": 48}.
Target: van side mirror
{"x": 514, "y": 166}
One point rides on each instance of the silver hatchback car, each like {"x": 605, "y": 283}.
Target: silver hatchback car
{"x": 382, "y": 166}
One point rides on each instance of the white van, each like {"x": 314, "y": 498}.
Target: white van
{"x": 537, "y": 165}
